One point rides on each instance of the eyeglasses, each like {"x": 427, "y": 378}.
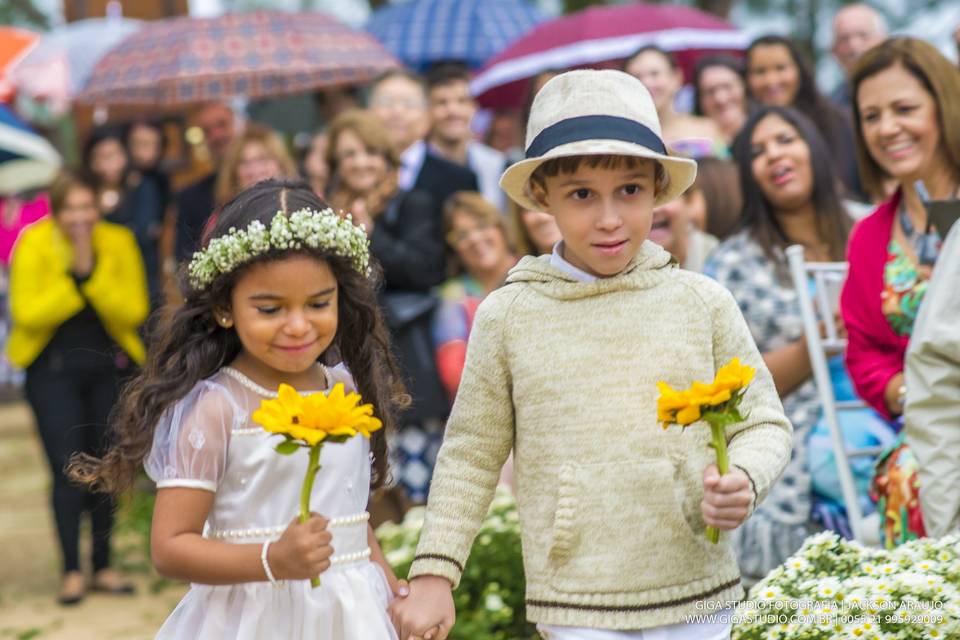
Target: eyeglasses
{"x": 459, "y": 236}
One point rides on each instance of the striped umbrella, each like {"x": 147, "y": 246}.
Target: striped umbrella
{"x": 27, "y": 160}
{"x": 601, "y": 37}
{"x": 422, "y": 32}
{"x": 253, "y": 55}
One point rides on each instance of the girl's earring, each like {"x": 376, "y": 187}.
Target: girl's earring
{"x": 225, "y": 322}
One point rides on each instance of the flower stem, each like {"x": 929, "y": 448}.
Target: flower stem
{"x": 313, "y": 466}
{"x": 717, "y": 423}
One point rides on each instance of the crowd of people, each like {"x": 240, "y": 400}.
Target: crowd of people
{"x": 847, "y": 174}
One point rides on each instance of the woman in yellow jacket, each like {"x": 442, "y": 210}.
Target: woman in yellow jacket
{"x": 78, "y": 296}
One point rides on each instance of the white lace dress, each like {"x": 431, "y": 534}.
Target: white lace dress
{"x": 207, "y": 441}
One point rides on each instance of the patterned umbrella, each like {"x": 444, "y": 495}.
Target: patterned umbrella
{"x": 55, "y": 70}
{"x": 27, "y": 160}
{"x": 422, "y": 32}
{"x": 254, "y": 55}
{"x": 601, "y": 37}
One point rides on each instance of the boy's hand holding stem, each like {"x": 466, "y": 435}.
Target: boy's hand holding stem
{"x": 428, "y": 612}
{"x": 726, "y": 498}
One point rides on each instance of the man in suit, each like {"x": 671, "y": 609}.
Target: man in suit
{"x": 452, "y": 109}
{"x": 195, "y": 203}
{"x": 399, "y": 98}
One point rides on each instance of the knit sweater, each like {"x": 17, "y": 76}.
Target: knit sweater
{"x": 564, "y": 372}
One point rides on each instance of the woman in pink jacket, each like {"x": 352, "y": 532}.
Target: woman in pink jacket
{"x": 908, "y": 131}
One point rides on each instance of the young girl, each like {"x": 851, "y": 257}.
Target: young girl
{"x": 289, "y": 296}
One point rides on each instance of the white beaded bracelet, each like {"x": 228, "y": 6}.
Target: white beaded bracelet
{"x": 266, "y": 565}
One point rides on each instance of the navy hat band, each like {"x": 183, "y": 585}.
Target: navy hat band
{"x": 594, "y": 128}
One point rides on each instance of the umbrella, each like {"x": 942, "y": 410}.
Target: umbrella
{"x": 600, "y": 36}
{"x": 254, "y": 55}
{"x": 423, "y": 32}
{"x": 27, "y": 160}
{"x": 14, "y": 44}
{"x": 55, "y": 70}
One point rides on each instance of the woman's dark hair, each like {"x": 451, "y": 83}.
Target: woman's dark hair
{"x": 935, "y": 73}
{"x": 717, "y": 179}
{"x": 149, "y": 124}
{"x": 98, "y": 136}
{"x": 808, "y": 101}
{"x": 189, "y": 346}
{"x": 706, "y": 62}
{"x": 671, "y": 59}
{"x": 833, "y": 223}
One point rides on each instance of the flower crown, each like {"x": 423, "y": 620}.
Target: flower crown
{"x": 304, "y": 228}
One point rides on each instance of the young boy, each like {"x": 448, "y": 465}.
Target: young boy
{"x": 562, "y": 367}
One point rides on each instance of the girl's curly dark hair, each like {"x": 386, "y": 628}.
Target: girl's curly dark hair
{"x": 189, "y": 346}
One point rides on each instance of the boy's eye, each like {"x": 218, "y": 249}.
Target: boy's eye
{"x": 632, "y": 189}
{"x": 580, "y": 194}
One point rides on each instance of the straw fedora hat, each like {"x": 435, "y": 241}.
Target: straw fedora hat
{"x": 595, "y": 112}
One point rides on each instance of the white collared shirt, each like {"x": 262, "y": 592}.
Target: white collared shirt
{"x": 411, "y": 161}
{"x": 557, "y": 261}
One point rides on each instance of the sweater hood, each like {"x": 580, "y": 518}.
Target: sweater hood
{"x": 649, "y": 267}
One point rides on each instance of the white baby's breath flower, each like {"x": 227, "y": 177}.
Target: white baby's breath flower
{"x": 322, "y": 230}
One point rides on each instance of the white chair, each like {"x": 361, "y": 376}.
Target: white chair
{"x": 818, "y": 305}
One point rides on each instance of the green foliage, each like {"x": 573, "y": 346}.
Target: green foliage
{"x": 570, "y": 6}
{"x": 490, "y": 599}
{"x": 131, "y": 539}
{"x": 23, "y": 13}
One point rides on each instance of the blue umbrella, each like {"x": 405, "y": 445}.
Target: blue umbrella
{"x": 422, "y": 32}
{"x": 27, "y": 160}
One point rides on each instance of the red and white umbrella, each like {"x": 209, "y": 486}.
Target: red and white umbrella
{"x": 601, "y": 37}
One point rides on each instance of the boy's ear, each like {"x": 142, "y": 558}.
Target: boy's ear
{"x": 538, "y": 194}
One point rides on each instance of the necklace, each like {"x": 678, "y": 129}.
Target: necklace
{"x": 253, "y": 386}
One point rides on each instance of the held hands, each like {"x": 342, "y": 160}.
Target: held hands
{"x": 427, "y": 612}
{"x": 726, "y": 498}
{"x": 303, "y": 551}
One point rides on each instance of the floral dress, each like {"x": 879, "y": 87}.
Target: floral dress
{"x": 896, "y": 486}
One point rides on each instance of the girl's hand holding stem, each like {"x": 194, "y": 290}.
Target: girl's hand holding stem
{"x": 303, "y": 551}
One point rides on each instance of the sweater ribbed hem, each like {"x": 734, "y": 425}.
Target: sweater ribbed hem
{"x": 430, "y": 564}
{"x": 632, "y": 611}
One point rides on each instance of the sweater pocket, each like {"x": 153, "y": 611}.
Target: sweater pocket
{"x": 620, "y": 527}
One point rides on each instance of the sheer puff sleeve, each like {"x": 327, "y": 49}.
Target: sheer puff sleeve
{"x": 191, "y": 439}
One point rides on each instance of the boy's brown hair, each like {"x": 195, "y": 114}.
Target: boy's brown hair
{"x": 571, "y": 164}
